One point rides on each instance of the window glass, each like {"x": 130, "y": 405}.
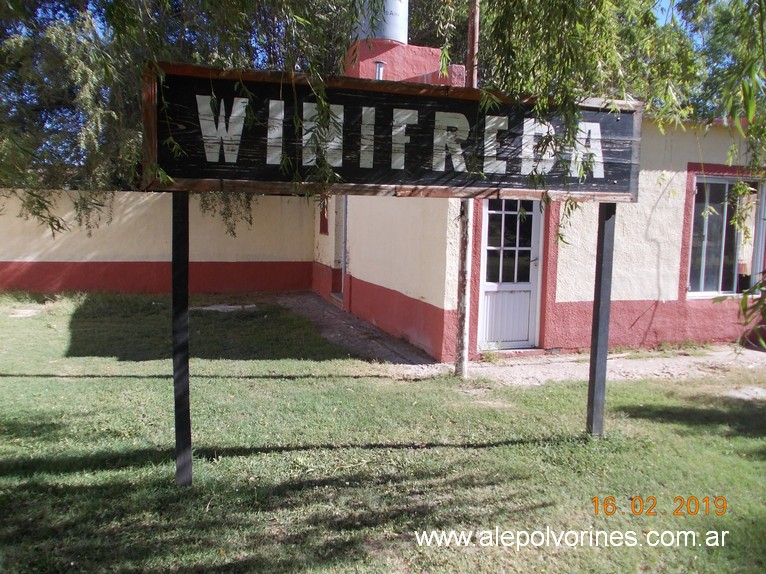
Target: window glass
{"x": 522, "y": 273}
{"x": 729, "y": 274}
{"x": 509, "y": 265}
{"x": 493, "y": 266}
{"x": 716, "y": 252}
{"x": 698, "y": 238}
{"x": 713, "y": 243}
{"x": 495, "y": 229}
{"x": 509, "y": 241}
{"x": 495, "y": 204}
{"x": 525, "y": 229}
{"x": 527, "y": 206}
{"x": 510, "y": 230}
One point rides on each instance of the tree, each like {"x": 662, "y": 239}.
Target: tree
{"x": 72, "y": 74}
{"x": 72, "y": 70}
{"x": 730, "y": 38}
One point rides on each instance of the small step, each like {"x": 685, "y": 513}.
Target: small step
{"x": 336, "y": 299}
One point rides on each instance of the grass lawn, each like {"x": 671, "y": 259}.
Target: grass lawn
{"x": 307, "y": 460}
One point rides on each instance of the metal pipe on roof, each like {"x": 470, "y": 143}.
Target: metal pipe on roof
{"x": 391, "y": 24}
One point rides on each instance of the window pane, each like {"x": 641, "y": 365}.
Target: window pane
{"x": 511, "y": 205}
{"x": 510, "y": 231}
{"x": 729, "y": 277}
{"x": 527, "y": 206}
{"x": 493, "y": 233}
{"x": 716, "y": 195}
{"x": 495, "y": 204}
{"x": 714, "y": 219}
{"x": 522, "y": 275}
{"x": 525, "y": 230}
{"x": 698, "y": 238}
{"x": 713, "y": 266}
{"x": 493, "y": 266}
{"x": 509, "y": 266}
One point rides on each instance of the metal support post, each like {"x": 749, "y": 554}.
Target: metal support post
{"x": 602, "y": 299}
{"x": 180, "y": 289}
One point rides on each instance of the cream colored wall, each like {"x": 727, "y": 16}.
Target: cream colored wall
{"x": 326, "y": 251}
{"x": 399, "y": 243}
{"x": 648, "y": 234}
{"x": 282, "y": 230}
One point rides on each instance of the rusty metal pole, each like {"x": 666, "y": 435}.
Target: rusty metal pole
{"x": 464, "y": 288}
{"x": 472, "y": 65}
{"x": 466, "y": 214}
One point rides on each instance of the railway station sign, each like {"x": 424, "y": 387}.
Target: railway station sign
{"x": 208, "y": 129}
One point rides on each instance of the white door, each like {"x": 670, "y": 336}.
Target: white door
{"x": 509, "y": 274}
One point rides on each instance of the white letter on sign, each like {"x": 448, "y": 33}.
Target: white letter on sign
{"x": 532, "y": 129}
{"x": 274, "y": 132}
{"x": 493, "y": 125}
{"x": 399, "y": 135}
{"x": 215, "y": 133}
{"x": 587, "y": 149}
{"x": 368, "y": 137}
{"x": 331, "y": 137}
{"x": 449, "y": 128}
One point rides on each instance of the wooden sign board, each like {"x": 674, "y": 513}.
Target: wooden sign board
{"x": 219, "y": 130}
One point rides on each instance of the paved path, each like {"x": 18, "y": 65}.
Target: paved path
{"x": 404, "y": 361}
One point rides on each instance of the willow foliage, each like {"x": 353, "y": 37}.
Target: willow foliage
{"x": 72, "y": 76}
{"x": 72, "y": 70}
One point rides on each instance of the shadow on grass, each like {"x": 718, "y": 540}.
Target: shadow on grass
{"x": 145, "y": 524}
{"x": 23, "y": 428}
{"x": 118, "y": 526}
{"x": 121, "y": 459}
{"x": 138, "y": 328}
{"x": 740, "y": 417}
{"x": 253, "y": 377}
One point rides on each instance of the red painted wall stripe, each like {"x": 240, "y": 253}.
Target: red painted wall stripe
{"x": 426, "y": 326}
{"x": 154, "y": 277}
{"x": 647, "y": 323}
{"x": 229, "y": 277}
{"x": 49, "y": 276}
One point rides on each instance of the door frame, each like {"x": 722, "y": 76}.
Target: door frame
{"x": 538, "y": 236}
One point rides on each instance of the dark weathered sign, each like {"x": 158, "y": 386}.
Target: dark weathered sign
{"x": 224, "y": 130}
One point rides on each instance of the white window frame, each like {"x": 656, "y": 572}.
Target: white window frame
{"x": 758, "y": 236}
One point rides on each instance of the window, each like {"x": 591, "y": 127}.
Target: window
{"x": 722, "y": 260}
{"x": 509, "y": 241}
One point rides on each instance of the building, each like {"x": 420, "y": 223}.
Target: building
{"x": 394, "y": 261}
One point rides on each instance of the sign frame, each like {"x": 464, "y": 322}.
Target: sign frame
{"x": 287, "y": 82}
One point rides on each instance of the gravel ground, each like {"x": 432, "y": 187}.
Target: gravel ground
{"x": 398, "y": 359}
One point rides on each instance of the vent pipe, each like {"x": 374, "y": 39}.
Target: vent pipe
{"x": 391, "y": 24}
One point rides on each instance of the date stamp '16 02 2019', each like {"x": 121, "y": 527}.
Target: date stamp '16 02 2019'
{"x": 647, "y": 506}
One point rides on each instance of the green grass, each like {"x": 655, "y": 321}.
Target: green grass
{"x": 666, "y": 350}
{"x": 307, "y": 460}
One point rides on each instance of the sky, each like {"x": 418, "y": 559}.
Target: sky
{"x": 661, "y": 10}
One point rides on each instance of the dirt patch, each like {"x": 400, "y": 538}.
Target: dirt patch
{"x": 402, "y": 361}
{"x": 715, "y": 361}
{"x": 749, "y": 394}
{"x": 22, "y": 313}
{"x": 225, "y": 308}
